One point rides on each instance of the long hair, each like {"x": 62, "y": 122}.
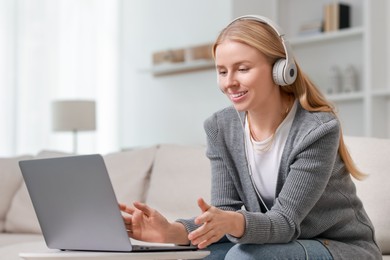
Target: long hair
{"x": 263, "y": 38}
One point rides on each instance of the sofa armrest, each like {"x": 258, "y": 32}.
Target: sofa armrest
{"x": 371, "y": 155}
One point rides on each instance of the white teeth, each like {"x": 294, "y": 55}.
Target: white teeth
{"x": 236, "y": 95}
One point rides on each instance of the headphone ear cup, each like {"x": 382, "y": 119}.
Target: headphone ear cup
{"x": 290, "y": 73}
{"x": 284, "y": 74}
{"x": 278, "y": 72}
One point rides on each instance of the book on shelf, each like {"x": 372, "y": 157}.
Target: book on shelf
{"x": 336, "y": 16}
{"x": 310, "y": 28}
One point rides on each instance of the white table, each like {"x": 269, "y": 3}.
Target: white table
{"x": 67, "y": 255}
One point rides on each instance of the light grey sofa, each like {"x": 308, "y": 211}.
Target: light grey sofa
{"x": 157, "y": 174}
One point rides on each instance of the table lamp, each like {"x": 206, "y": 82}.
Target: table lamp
{"x": 75, "y": 116}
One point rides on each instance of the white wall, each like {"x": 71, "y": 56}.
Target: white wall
{"x": 169, "y": 109}
{"x": 7, "y": 76}
{"x": 172, "y": 109}
{"x": 387, "y": 26}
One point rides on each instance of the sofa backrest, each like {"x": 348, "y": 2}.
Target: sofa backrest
{"x": 10, "y": 181}
{"x": 172, "y": 177}
{"x": 181, "y": 174}
{"x": 129, "y": 173}
{"x": 372, "y": 156}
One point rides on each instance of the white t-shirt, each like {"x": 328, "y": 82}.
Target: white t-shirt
{"x": 265, "y": 164}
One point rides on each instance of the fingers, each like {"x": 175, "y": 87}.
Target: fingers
{"x": 127, "y": 218}
{"x": 209, "y": 232}
{"x": 206, "y": 243}
{"x": 133, "y": 217}
{"x": 204, "y": 217}
{"x": 203, "y": 205}
{"x": 205, "y": 230}
{"x": 129, "y": 227}
{"x": 123, "y": 207}
{"x": 203, "y": 237}
{"x": 138, "y": 206}
{"x": 144, "y": 208}
{"x": 128, "y": 221}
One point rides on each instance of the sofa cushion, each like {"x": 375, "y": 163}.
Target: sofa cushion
{"x": 10, "y": 181}
{"x": 180, "y": 175}
{"x": 371, "y": 156}
{"x": 128, "y": 170}
{"x": 21, "y": 216}
{"x": 129, "y": 173}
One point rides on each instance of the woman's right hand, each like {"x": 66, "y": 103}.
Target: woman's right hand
{"x": 147, "y": 224}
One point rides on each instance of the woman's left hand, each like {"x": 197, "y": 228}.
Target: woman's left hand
{"x": 215, "y": 223}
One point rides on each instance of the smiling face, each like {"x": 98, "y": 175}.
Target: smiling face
{"x": 245, "y": 76}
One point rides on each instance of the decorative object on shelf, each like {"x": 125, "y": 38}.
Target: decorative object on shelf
{"x": 343, "y": 81}
{"x": 199, "y": 52}
{"x": 336, "y": 16}
{"x": 310, "y": 28}
{"x": 182, "y": 60}
{"x": 350, "y": 81}
{"x": 335, "y": 80}
{"x": 75, "y": 116}
{"x": 168, "y": 56}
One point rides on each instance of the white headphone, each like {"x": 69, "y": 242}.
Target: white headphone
{"x": 284, "y": 71}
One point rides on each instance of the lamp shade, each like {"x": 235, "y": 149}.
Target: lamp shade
{"x": 73, "y": 115}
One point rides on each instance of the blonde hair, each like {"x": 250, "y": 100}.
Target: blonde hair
{"x": 263, "y": 38}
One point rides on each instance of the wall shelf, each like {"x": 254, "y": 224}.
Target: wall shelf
{"x": 164, "y": 69}
{"x": 328, "y": 36}
{"x": 381, "y": 93}
{"x": 363, "y": 46}
{"x": 342, "y": 97}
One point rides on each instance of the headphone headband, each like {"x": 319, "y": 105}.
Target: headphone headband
{"x": 261, "y": 19}
{"x": 288, "y": 69}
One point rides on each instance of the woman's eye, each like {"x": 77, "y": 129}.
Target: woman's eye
{"x": 243, "y": 69}
{"x": 222, "y": 73}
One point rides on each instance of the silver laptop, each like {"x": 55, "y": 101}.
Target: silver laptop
{"x": 76, "y": 205}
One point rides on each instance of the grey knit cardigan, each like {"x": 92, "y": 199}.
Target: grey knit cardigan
{"x": 315, "y": 195}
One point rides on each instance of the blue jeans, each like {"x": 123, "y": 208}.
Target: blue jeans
{"x": 301, "y": 249}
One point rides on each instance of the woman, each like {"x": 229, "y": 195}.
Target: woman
{"x": 281, "y": 174}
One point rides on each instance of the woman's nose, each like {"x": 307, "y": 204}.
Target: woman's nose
{"x": 230, "y": 81}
